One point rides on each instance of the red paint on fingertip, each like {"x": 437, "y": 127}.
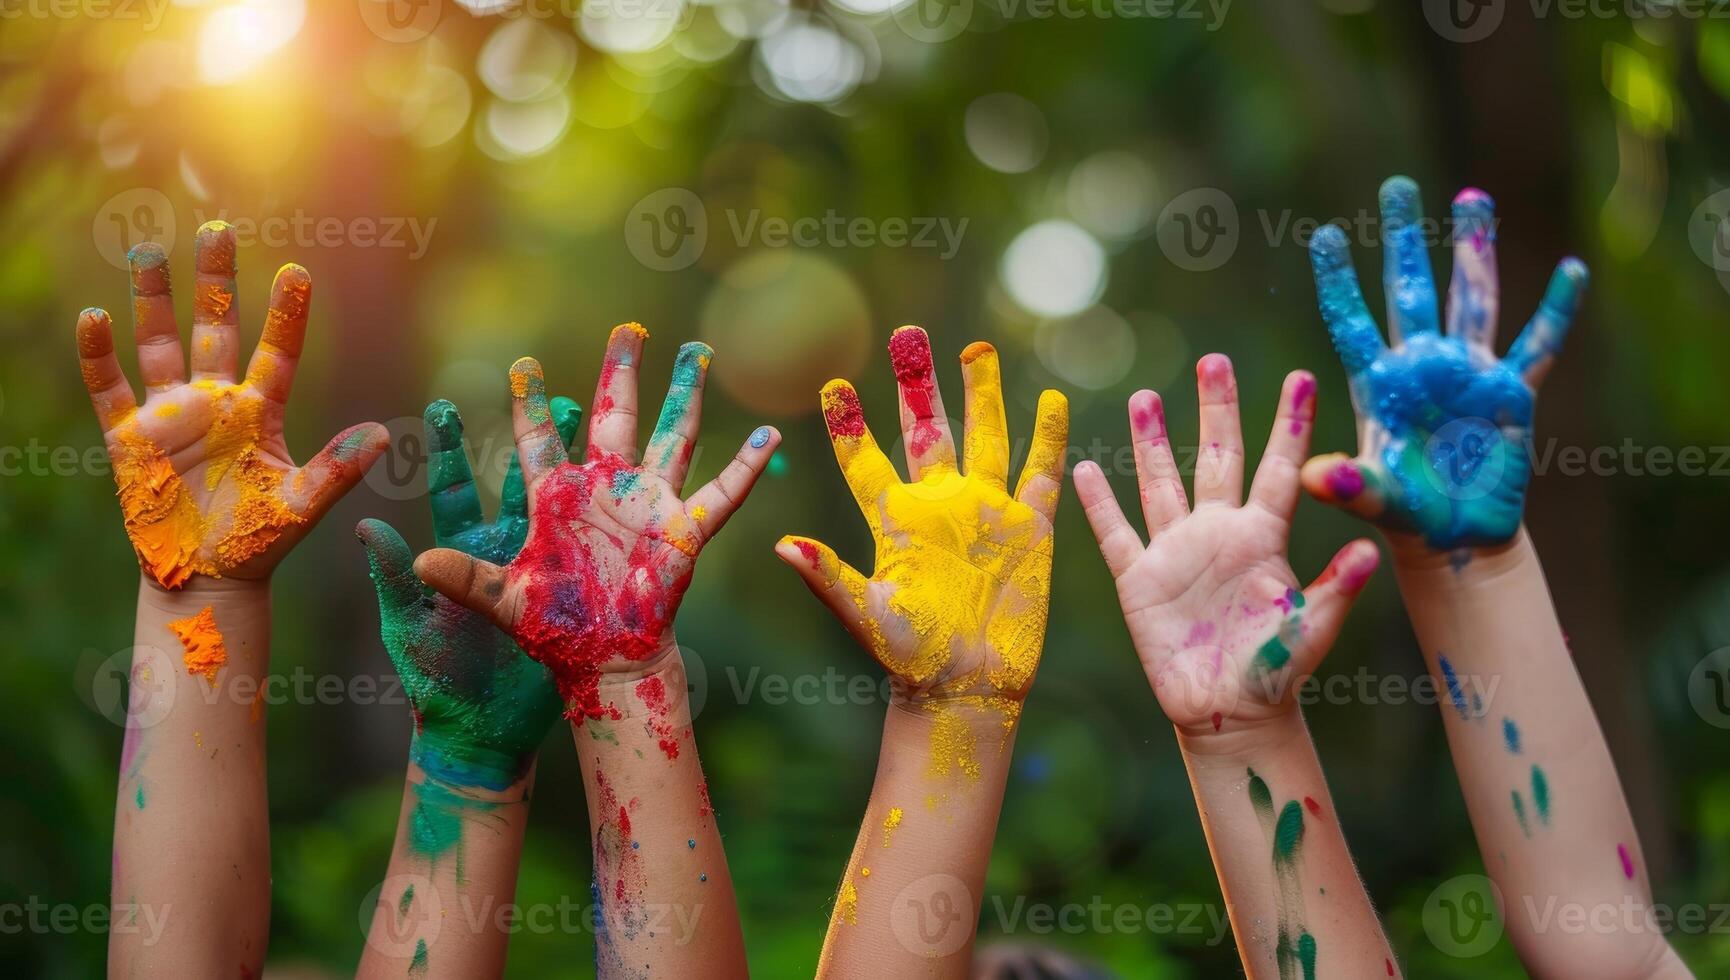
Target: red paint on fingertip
{"x": 808, "y": 549}
{"x": 1218, "y": 719}
{"x": 1302, "y": 402}
{"x": 841, "y": 411}
{"x": 910, "y": 356}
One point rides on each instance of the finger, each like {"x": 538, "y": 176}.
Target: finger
{"x": 1342, "y": 302}
{"x": 1219, "y": 458}
{"x": 392, "y": 565}
{"x": 927, "y": 439}
{"x": 1346, "y": 483}
{"x": 110, "y": 393}
{"x": 868, "y": 472}
{"x": 837, "y": 585}
{"x": 215, "y": 317}
{"x": 1041, "y": 480}
{"x": 1163, "y": 502}
{"x": 469, "y": 581}
{"x": 1118, "y": 542}
{"x": 513, "y": 498}
{"x": 456, "y": 505}
{"x": 675, "y": 435}
{"x": 160, "y": 361}
{"x": 1276, "y": 478}
{"x": 1475, "y": 293}
{"x": 1406, "y": 276}
{"x": 1536, "y": 347}
{"x": 985, "y": 440}
{"x": 271, "y": 369}
{"x": 538, "y": 445}
{"x": 1329, "y": 598}
{"x": 315, "y": 487}
{"x": 716, "y": 500}
{"x": 613, "y": 419}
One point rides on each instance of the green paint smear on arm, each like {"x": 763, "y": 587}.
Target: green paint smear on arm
{"x": 1520, "y": 811}
{"x": 418, "y": 966}
{"x": 1289, "y": 833}
{"x": 139, "y": 796}
{"x": 1541, "y": 795}
{"x": 403, "y": 904}
{"x": 1306, "y": 950}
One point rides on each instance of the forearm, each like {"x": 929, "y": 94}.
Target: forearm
{"x": 909, "y": 902}
{"x": 1296, "y": 903}
{"x": 660, "y": 875}
{"x": 453, "y": 870}
{"x": 1552, "y": 823}
{"x": 191, "y": 837}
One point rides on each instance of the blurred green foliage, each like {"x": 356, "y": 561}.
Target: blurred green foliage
{"x": 1604, "y": 136}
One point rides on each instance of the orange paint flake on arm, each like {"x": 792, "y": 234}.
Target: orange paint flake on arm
{"x": 205, "y": 652}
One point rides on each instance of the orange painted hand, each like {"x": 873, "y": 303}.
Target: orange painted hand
{"x": 206, "y": 483}
{"x": 955, "y": 609}
{"x": 1213, "y": 606}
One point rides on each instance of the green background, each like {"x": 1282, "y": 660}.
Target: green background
{"x": 1601, "y": 136}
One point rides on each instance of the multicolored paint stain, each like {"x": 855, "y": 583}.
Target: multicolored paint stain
{"x": 620, "y": 878}
{"x": 1294, "y": 948}
{"x": 1449, "y": 423}
{"x": 205, "y": 652}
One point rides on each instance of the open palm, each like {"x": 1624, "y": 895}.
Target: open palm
{"x": 1445, "y": 426}
{"x": 611, "y": 545}
{"x": 956, "y": 605}
{"x": 206, "y": 483}
{"x": 1212, "y": 605}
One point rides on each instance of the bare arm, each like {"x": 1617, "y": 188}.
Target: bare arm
{"x": 1225, "y": 635}
{"x": 955, "y": 611}
{"x": 1444, "y": 432}
{"x": 211, "y": 502}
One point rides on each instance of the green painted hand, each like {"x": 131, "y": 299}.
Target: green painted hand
{"x": 481, "y": 706}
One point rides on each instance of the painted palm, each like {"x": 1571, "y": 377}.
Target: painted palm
{"x": 481, "y": 706}
{"x": 956, "y": 606}
{"x": 1444, "y": 425}
{"x": 206, "y": 483}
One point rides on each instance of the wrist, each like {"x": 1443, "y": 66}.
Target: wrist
{"x": 1466, "y": 568}
{"x": 657, "y": 687}
{"x": 1244, "y": 743}
{"x": 469, "y": 769}
{"x": 203, "y": 590}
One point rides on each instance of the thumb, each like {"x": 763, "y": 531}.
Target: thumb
{"x": 465, "y": 579}
{"x": 1350, "y": 484}
{"x": 837, "y": 584}
{"x": 392, "y": 565}
{"x": 337, "y": 468}
{"x": 1330, "y": 597}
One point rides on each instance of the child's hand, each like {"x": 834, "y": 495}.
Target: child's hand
{"x": 1212, "y": 604}
{"x": 955, "y": 609}
{"x": 206, "y": 483}
{"x": 1444, "y": 426}
{"x": 611, "y": 546}
{"x": 481, "y": 707}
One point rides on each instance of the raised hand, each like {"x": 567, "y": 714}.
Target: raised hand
{"x": 206, "y": 483}
{"x": 1444, "y": 426}
{"x": 1213, "y": 607}
{"x": 481, "y": 707}
{"x": 611, "y": 544}
{"x": 955, "y": 608}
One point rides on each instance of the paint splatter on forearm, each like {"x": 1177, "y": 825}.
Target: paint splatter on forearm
{"x": 1295, "y": 948}
{"x": 206, "y": 653}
